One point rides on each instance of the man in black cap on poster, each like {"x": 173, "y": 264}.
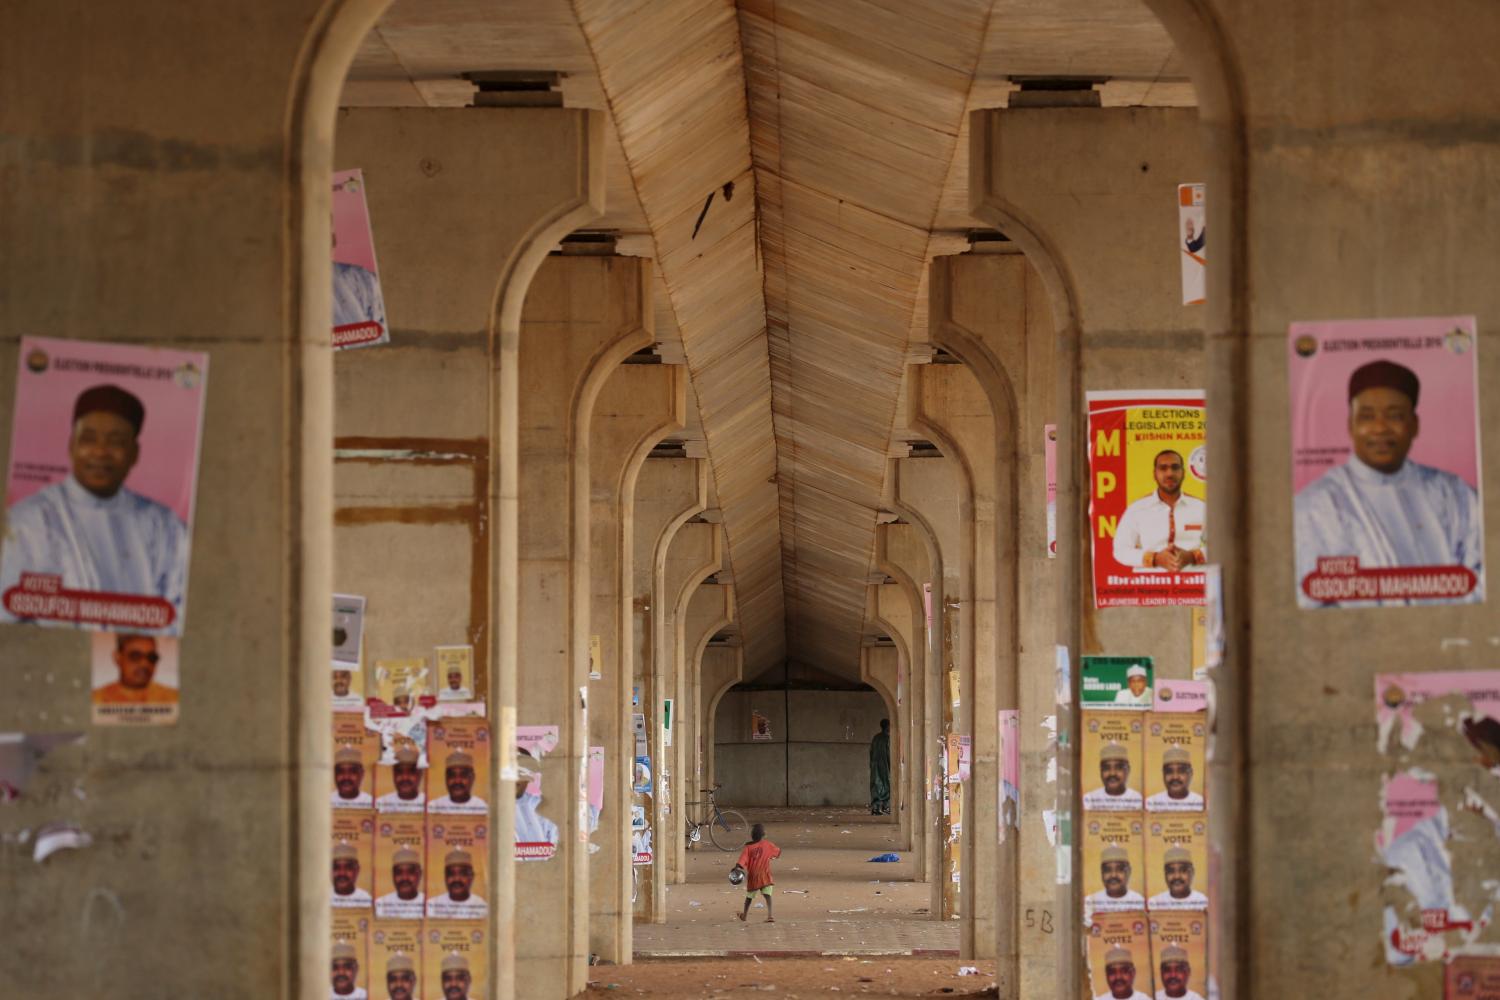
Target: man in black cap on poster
{"x": 89, "y": 529}
{"x": 1381, "y": 507}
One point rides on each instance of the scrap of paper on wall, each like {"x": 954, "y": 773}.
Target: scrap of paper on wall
{"x": 536, "y": 835}
{"x": 102, "y": 478}
{"x": 358, "y": 302}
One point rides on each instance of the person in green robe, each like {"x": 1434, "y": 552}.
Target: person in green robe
{"x": 880, "y": 770}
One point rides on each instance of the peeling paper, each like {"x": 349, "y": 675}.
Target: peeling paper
{"x": 19, "y": 754}
{"x": 56, "y": 837}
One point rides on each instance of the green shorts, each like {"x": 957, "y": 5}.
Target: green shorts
{"x": 764, "y": 890}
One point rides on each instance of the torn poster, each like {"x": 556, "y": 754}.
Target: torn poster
{"x": 19, "y": 754}
{"x": 401, "y": 686}
{"x": 1192, "y": 243}
{"x": 1050, "y": 460}
{"x": 1010, "y": 771}
{"x": 358, "y": 303}
{"x": 536, "y": 835}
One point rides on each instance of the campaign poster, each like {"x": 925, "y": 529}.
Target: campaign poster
{"x": 348, "y": 631}
{"x": 353, "y": 868}
{"x": 1176, "y": 861}
{"x": 595, "y": 796}
{"x": 349, "y": 953}
{"x": 455, "y": 962}
{"x": 1050, "y": 457}
{"x": 395, "y": 959}
{"x": 355, "y": 751}
{"x": 349, "y": 690}
{"x": 1472, "y": 977}
{"x": 400, "y": 854}
{"x": 103, "y": 471}
{"x": 640, "y": 847}
{"x": 1114, "y": 863}
{"x": 1192, "y": 225}
{"x": 401, "y": 685}
{"x": 1385, "y": 462}
{"x": 134, "y": 679}
{"x": 1112, "y": 750}
{"x": 1466, "y": 705}
{"x": 1009, "y": 814}
{"x": 640, "y": 776}
{"x": 458, "y": 850}
{"x": 1180, "y": 696}
{"x": 458, "y": 775}
{"x": 536, "y": 834}
{"x": 1179, "y": 952}
{"x": 1176, "y": 776}
{"x": 358, "y": 305}
{"x": 1119, "y": 951}
{"x": 1117, "y": 682}
{"x": 1148, "y": 487}
{"x": 455, "y": 673}
{"x": 401, "y": 777}
{"x": 760, "y": 727}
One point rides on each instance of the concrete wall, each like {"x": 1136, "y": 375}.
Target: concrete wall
{"x": 821, "y": 757}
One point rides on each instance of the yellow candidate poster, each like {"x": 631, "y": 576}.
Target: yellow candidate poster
{"x": 458, "y": 780}
{"x": 1176, "y": 861}
{"x": 395, "y": 959}
{"x": 355, "y": 750}
{"x": 458, "y": 850}
{"x": 1179, "y": 952}
{"x": 455, "y": 962}
{"x": 1175, "y": 770}
{"x": 400, "y": 781}
{"x": 1148, "y": 475}
{"x": 350, "y": 966}
{"x": 455, "y": 673}
{"x": 1119, "y": 950}
{"x": 401, "y": 685}
{"x": 353, "y": 860}
{"x": 1110, "y": 772}
{"x": 400, "y": 851}
{"x": 1114, "y": 863}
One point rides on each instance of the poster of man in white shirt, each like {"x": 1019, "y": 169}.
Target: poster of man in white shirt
{"x": 103, "y": 472}
{"x": 344, "y": 971}
{"x": 1385, "y": 463}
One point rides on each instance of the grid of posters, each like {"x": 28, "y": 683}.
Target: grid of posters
{"x": 1148, "y": 476}
{"x": 1439, "y": 807}
{"x": 103, "y": 472}
{"x": 1385, "y": 462}
{"x": 1144, "y": 829}
{"x": 358, "y": 304}
{"x": 1192, "y": 221}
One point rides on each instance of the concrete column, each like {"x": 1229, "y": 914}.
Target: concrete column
{"x": 991, "y": 310}
{"x": 710, "y": 609}
{"x": 898, "y": 607}
{"x": 137, "y": 211}
{"x": 722, "y": 667}
{"x": 638, "y": 405}
{"x": 669, "y": 492}
{"x": 583, "y": 315}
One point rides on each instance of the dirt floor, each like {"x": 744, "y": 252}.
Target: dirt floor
{"x": 791, "y": 978}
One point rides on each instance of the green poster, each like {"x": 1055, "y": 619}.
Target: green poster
{"x": 1121, "y": 682}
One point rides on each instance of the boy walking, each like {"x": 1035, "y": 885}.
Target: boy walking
{"x": 756, "y": 859}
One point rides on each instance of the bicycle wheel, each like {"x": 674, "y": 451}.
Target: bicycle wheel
{"x": 728, "y": 830}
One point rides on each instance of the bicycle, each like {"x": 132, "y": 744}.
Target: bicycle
{"x": 726, "y": 827}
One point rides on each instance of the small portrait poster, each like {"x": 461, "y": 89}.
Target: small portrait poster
{"x": 396, "y": 959}
{"x": 350, "y": 964}
{"x": 455, "y": 962}
{"x": 536, "y": 835}
{"x": 348, "y": 630}
{"x": 1175, "y": 771}
{"x": 401, "y": 780}
{"x": 353, "y": 860}
{"x": 1176, "y": 861}
{"x": 355, "y": 751}
{"x": 358, "y": 304}
{"x": 400, "y": 854}
{"x": 1192, "y": 233}
{"x": 1472, "y": 977}
{"x": 349, "y": 690}
{"x": 1148, "y": 492}
{"x": 1114, "y": 863}
{"x": 402, "y": 685}
{"x": 103, "y": 471}
{"x": 1117, "y": 682}
{"x": 1179, "y": 949}
{"x": 1050, "y": 457}
{"x": 458, "y": 850}
{"x": 1111, "y": 766}
{"x": 135, "y": 679}
{"x": 1119, "y": 950}
{"x": 458, "y": 780}
{"x": 1385, "y": 462}
{"x": 760, "y": 727}
{"x": 455, "y": 673}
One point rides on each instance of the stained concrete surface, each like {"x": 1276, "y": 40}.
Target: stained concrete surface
{"x": 830, "y": 898}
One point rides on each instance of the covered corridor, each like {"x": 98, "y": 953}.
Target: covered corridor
{"x": 711, "y": 383}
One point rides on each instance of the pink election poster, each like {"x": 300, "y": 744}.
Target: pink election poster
{"x": 1385, "y": 462}
{"x": 358, "y": 304}
{"x": 1050, "y": 455}
{"x": 103, "y": 470}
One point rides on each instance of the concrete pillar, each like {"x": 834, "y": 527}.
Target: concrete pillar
{"x": 1116, "y": 304}
{"x": 991, "y": 310}
{"x": 639, "y": 404}
{"x": 136, "y": 211}
{"x": 669, "y": 493}
{"x": 721, "y": 667}
{"x": 583, "y": 316}
{"x": 710, "y": 609}
{"x": 898, "y": 607}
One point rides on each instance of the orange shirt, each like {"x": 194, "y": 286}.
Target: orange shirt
{"x": 152, "y": 694}
{"x": 756, "y": 860}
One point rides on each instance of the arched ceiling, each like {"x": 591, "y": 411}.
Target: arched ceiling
{"x": 791, "y": 165}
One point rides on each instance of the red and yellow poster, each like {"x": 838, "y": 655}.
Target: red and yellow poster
{"x": 396, "y": 959}
{"x": 400, "y": 851}
{"x": 349, "y": 969}
{"x": 1148, "y": 475}
{"x": 455, "y": 962}
{"x": 458, "y": 850}
{"x": 353, "y": 860}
